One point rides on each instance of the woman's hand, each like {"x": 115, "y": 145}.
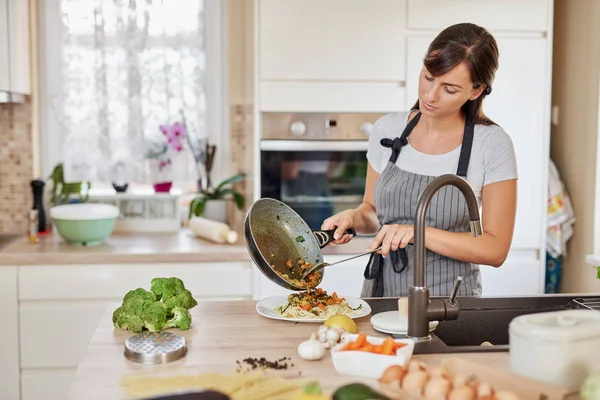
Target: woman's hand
{"x": 340, "y": 222}
{"x": 393, "y": 237}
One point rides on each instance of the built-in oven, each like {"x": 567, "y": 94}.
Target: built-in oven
{"x": 314, "y": 162}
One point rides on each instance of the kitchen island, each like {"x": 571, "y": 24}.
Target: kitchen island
{"x": 222, "y": 334}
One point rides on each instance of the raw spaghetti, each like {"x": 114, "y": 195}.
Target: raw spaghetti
{"x": 315, "y": 304}
{"x": 238, "y": 386}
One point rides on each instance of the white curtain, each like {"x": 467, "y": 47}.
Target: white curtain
{"x": 130, "y": 67}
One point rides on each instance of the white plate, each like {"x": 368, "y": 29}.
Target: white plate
{"x": 390, "y": 322}
{"x": 265, "y": 308}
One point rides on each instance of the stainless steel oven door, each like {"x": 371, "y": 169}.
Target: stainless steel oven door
{"x": 316, "y": 179}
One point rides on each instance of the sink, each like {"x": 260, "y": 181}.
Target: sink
{"x": 483, "y": 319}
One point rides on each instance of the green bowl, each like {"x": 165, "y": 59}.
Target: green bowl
{"x": 84, "y": 224}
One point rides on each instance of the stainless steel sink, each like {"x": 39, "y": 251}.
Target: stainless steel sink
{"x": 484, "y": 319}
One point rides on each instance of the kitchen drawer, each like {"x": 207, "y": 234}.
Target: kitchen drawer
{"x": 380, "y": 97}
{"x": 54, "y": 282}
{"x": 494, "y": 15}
{"x": 56, "y": 334}
{"x": 46, "y": 384}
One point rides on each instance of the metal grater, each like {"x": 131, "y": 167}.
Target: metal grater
{"x": 590, "y": 304}
{"x": 155, "y": 347}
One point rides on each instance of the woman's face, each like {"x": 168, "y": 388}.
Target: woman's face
{"x": 445, "y": 95}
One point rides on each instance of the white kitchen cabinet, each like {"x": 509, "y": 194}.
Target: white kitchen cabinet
{"x": 494, "y": 15}
{"x": 56, "y": 334}
{"x": 9, "y": 334}
{"x": 519, "y": 103}
{"x": 53, "y": 297}
{"x": 14, "y": 47}
{"x": 52, "y": 384}
{"x": 230, "y": 280}
{"x": 337, "y": 55}
{"x": 336, "y": 97}
{"x": 333, "y": 40}
{"x": 520, "y": 275}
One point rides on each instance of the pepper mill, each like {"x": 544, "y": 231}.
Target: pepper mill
{"x": 37, "y": 187}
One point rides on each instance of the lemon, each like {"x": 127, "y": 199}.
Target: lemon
{"x": 342, "y": 321}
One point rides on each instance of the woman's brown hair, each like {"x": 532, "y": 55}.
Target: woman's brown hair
{"x": 474, "y": 46}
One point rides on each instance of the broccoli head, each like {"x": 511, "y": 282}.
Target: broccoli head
{"x": 154, "y": 316}
{"x": 179, "y": 286}
{"x": 117, "y": 313}
{"x": 136, "y": 305}
{"x": 139, "y": 293}
{"x": 181, "y": 319}
{"x": 163, "y": 288}
{"x": 129, "y": 322}
{"x": 183, "y": 299}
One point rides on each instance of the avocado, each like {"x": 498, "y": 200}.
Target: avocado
{"x": 357, "y": 391}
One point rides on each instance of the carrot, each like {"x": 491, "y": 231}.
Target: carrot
{"x": 361, "y": 340}
{"x": 388, "y": 346}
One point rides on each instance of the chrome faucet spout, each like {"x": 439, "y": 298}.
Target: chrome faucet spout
{"x": 421, "y": 309}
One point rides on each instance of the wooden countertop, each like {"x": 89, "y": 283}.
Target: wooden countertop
{"x": 180, "y": 246}
{"x": 221, "y": 334}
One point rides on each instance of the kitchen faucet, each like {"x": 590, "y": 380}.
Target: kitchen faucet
{"x": 421, "y": 309}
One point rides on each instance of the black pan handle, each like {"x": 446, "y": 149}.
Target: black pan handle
{"x": 326, "y": 237}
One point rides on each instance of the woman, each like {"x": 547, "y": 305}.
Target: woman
{"x": 445, "y": 132}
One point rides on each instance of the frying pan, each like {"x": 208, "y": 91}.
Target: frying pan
{"x": 275, "y": 233}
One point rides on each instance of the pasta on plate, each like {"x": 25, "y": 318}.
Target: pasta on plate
{"x": 315, "y": 303}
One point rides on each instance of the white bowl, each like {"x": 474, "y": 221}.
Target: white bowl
{"x": 369, "y": 365}
{"x": 84, "y": 211}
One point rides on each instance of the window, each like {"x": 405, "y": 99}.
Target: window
{"x": 114, "y": 71}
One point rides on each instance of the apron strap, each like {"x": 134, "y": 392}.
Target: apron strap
{"x": 374, "y": 269}
{"x": 465, "y": 151}
{"x": 399, "y": 142}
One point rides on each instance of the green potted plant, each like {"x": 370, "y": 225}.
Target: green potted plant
{"x": 63, "y": 192}
{"x": 212, "y": 202}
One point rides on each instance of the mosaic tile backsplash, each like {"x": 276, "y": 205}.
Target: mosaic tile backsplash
{"x": 16, "y": 166}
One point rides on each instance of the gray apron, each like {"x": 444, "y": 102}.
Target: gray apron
{"x": 396, "y": 195}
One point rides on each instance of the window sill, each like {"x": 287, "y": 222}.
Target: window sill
{"x": 593, "y": 259}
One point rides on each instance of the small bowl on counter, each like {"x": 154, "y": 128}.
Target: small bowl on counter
{"x": 370, "y": 356}
{"x": 84, "y": 224}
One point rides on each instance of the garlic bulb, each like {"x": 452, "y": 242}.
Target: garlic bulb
{"x": 333, "y": 335}
{"x": 322, "y": 332}
{"x": 311, "y": 349}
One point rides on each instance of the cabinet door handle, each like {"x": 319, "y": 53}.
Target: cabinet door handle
{"x": 402, "y": 83}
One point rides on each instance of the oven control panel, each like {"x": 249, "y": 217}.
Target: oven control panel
{"x": 317, "y": 126}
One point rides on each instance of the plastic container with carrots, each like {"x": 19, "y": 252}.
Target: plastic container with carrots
{"x": 369, "y": 356}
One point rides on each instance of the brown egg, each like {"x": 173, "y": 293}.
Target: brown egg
{"x": 437, "y": 372}
{"x": 414, "y": 382}
{"x": 484, "y": 389}
{"x": 506, "y": 395}
{"x": 393, "y": 373}
{"x": 415, "y": 365}
{"x": 436, "y": 388}
{"x": 462, "y": 393}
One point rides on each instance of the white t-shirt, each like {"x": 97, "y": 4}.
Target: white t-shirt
{"x": 492, "y": 160}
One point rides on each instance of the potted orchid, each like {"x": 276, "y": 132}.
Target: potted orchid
{"x": 161, "y": 153}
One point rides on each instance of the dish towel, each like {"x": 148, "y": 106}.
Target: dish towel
{"x": 560, "y": 220}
